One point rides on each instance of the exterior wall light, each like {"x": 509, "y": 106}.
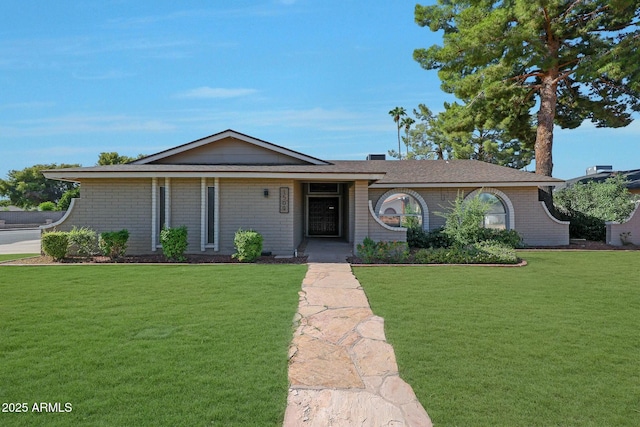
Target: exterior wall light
{"x": 266, "y": 192}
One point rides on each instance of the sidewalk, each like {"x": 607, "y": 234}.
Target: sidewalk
{"x": 342, "y": 372}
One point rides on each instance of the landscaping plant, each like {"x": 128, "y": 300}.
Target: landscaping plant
{"x": 248, "y": 244}
{"x": 83, "y": 240}
{"x": 174, "y": 242}
{"x": 55, "y": 244}
{"x": 113, "y": 243}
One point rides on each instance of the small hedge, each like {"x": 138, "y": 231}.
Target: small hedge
{"x": 55, "y": 244}
{"x": 382, "y": 252}
{"x": 421, "y": 239}
{"x": 83, "y": 241}
{"x": 113, "y": 243}
{"x": 174, "y": 242}
{"x": 371, "y": 252}
{"x": 248, "y": 244}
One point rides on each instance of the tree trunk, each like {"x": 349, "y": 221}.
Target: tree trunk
{"x": 546, "y": 115}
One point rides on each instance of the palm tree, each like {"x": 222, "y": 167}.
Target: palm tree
{"x": 406, "y": 122}
{"x": 397, "y": 113}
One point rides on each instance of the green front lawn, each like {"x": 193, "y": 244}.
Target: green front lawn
{"x": 147, "y": 345}
{"x": 9, "y": 257}
{"x": 553, "y": 343}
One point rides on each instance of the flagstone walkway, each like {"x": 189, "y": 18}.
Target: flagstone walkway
{"x": 342, "y": 371}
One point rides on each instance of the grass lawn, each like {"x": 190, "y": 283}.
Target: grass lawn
{"x": 556, "y": 343}
{"x": 8, "y": 257}
{"x": 147, "y": 345}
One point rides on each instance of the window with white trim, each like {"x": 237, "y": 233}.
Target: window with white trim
{"x": 401, "y": 210}
{"x": 496, "y": 216}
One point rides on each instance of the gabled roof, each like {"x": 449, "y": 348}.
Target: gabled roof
{"x": 229, "y": 133}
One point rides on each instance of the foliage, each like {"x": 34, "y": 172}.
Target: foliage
{"x": 47, "y": 206}
{"x": 475, "y": 343}
{"x": 382, "y": 252}
{"x": 420, "y": 238}
{"x": 113, "y": 243}
{"x": 248, "y": 244}
{"x": 397, "y": 114}
{"x": 55, "y": 244}
{"x": 479, "y": 253}
{"x": 83, "y": 240}
{"x": 65, "y": 199}
{"x": 174, "y": 242}
{"x": 575, "y": 61}
{"x": 589, "y": 205}
{"x": 510, "y": 238}
{"x": 463, "y": 222}
{"x": 27, "y": 188}
{"x": 113, "y": 158}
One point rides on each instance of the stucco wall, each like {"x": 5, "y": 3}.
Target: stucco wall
{"x": 243, "y": 205}
{"x": 111, "y": 205}
{"x": 533, "y": 223}
{"x": 632, "y": 226}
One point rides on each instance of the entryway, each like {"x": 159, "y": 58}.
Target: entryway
{"x": 329, "y": 250}
{"x": 323, "y": 216}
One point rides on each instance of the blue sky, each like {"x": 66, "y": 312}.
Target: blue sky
{"x": 81, "y": 77}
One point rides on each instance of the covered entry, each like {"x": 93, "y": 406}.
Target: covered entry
{"x": 324, "y": 209}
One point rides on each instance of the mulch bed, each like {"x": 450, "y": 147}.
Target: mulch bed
{"x": 156, "y": 259}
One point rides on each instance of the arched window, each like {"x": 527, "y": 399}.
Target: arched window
{"x": 401, "y": 210}
{"x": 496, "y": 216}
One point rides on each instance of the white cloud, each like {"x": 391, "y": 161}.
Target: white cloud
{"x": 216, "y": 92}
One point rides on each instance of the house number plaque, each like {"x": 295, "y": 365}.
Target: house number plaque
{"x": 284, "y": 199}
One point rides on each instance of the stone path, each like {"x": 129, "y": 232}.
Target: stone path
{"x": 342, "y": 371}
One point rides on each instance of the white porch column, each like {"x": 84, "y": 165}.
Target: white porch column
{"x": 361, "y": 210}
{"x": 203, "y": 214}
{"x": 167, "y": 202}
{"x": 216, "y": 215}
{"x": 154, "y": 212}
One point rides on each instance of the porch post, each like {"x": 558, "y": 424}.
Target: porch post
{"x": 361, "y": 211}
{"x": 154, "y": 212}
{"x": 203, "y": 213}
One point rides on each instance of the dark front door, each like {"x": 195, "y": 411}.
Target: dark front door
{"x": 324, "y": 216}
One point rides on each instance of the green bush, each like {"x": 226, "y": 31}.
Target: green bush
{"x": 463, "y": 222}
{"x": 248, "y": 244}
{"x": 55, "y": 244}
{"x": 480, "y": 253}
{"x": 65, "y": 199}
{"x": 47, "y": 206}
{"x": 419, "y": 238}
{"x": 83, "y": 241}
{"x": 382, "y": 252}
{"x": 174, "y": 242}
{"x": 492, "y": 252}
{"x": 509, "y": 238}
{"x": 589, "y": 205}
{"x": 113, "y": 243}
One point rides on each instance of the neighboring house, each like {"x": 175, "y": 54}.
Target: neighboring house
{"x": 601, "y": 173}
{"x": 227, "y": 181}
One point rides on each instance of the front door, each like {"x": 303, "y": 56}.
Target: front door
{"x": 324, "y": 216}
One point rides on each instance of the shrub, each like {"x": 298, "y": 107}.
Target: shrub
{"x": 382, "y": 252}
{"x": 492, "y": 252}
{"x": 464, "y": 220}
{"x": 47, "y": 206}
{"x": 113, "y": 243}
{"x": 65, "y": 199}
{"x": 509, "y": 238}
{"x": 248, "y": 244}
{"x": 589, "y": 205}
{"x": 55, "y": 244}
{"x": 83, "y": 241}
{"x": 174, "y": 242}
{"x": 419, "y": 238}
{"x": 480, "y": 253}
